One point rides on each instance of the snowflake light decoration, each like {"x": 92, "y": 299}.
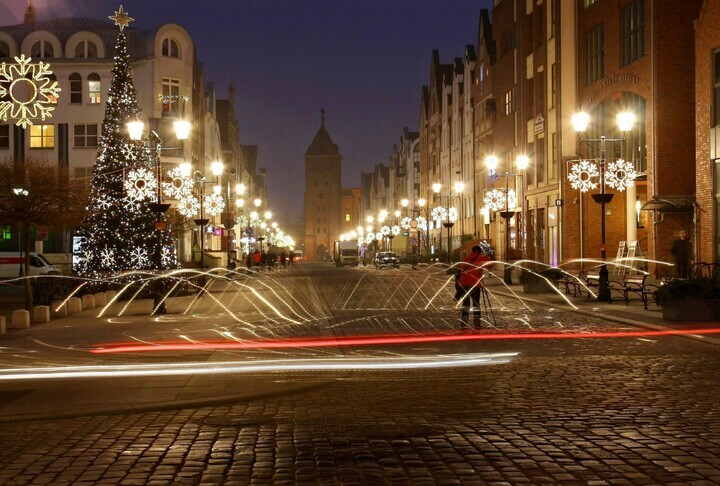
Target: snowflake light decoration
{"x": 167, "y": 256}
{"x": 583, "y": 175}
{"x": 104, "y": 202}
{"x": 139, "y": 257}
{"x": 395, "y": 230}
{"x": 439, "y": 213}
{"x": 30, "y": 90}
{"x": 107, "y": 257}
{"x": 512, "y": 198}
{"x": 141, "y": 184}
{"x": 495, "y": 199}
{"x": 370, "y": 237}
{"x": 214, "y": 204}
{"x": 188, "y": 205}
{"x": 422, "y": 223}
{"x": 131, "y": 205}
{"x": 385, "y": 230}
{"x": 453, "y": 214}
{"x": 179, "y": 185}
{"x": 620, "y": 174}
{"x": 405, "y": 222}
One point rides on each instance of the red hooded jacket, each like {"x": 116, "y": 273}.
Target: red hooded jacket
{"x": 471, "y": 269}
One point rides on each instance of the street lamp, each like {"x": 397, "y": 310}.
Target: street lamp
{"x": 495, "y": 200}
{"x": 618, "y": 175}
{"x": 135, "y": 131}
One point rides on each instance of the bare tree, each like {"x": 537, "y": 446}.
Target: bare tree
{"x": 36, "y": 192}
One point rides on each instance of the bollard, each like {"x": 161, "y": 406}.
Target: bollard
{"x": 74, "y": 305}
{"x": 88, "y": 301}
{"x": 100, "y": 299}
{"x": 20, "y": 319}
{"x": 58, "y": 309}
{"x": 41, "y": 313}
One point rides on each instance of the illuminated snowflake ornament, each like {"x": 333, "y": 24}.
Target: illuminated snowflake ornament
{"x": 512, "y": 198}
{"x": 385, "y": 230}
{"x": 495, "y": 199}
{"x": 583, "y": 175}
{"x": 188, "y": 206}
{"x": 395, "y": 230}
{"x": 453, "y": 214}
{"x": 139, "y": 258}
{"x": 29, "y": 89}
{"x": 107, "y": 257}
{"x": 620, "y": 175}
{"x": 439, "y": 213}
{"x": 422, "y": 223}
{"x": 179, "y": 185}
{"x": 370, "y": 237}
{"x": 131, "y": 205}
{"x": 405, "y": 223}
{"x": 167, "y": 256}
{"x": 104, "y": 202}
{"x": 214, "y": 204}
{"x": 141, "y": 184}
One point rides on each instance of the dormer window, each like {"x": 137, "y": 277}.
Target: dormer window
{"x": 86, "y": 50}
{"x": 170, "y": 48}
{"x": 42, "y": 49}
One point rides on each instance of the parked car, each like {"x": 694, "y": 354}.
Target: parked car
{"x": 386, "y": 259}
{"x": 409, "y": 259}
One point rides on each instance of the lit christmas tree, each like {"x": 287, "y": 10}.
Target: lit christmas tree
{"x": 120, "y": 231}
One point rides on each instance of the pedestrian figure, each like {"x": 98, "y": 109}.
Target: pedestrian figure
{"x": 469, "y": 284}
{"x": 256, "y": 258}
{"x": 283, "y": 258}
{"x": 681, "y": 251}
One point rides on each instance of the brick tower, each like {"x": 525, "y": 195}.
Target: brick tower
{"x": 322, "y": 194}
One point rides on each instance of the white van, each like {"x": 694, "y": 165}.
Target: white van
{"x": 10, "y": 263}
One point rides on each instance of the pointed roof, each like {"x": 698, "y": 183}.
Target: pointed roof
{"x": 322, "y": 144}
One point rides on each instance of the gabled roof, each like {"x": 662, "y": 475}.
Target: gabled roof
{"x": 322, "y": 144}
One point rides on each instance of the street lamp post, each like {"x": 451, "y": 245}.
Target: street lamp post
{"x": 625, "y": 121}
{"x": 135, "y": 131}
{"x": 521, "y": 162}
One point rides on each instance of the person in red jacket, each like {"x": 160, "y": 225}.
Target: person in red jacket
{"x": 470, "y": 283}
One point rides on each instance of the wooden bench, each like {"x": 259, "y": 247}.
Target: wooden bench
{"x": 631, "y": 288}
{"x": 579, "y": 284}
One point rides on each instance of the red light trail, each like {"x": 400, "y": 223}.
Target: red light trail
{"x": 217, "y": 345}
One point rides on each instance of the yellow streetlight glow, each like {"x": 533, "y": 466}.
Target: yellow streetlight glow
{"x": 217, "y": 168}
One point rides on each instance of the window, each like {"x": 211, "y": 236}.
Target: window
{"x": 86, "y": 50}
{"x": 716, "y": 89}
{"x": 86, "y": 136}
{"x": 75, "y": 88}
{"x": 42, "y": 49}
{"x": 93, "y": 88}
{"x": 510, "y": 101}
{"x": 42, "y": 136}
{"x": 507, "y": 41}
{"x": 594, "y": 46}
{"x": 171, "y": 87}
{"x": 589, "y": 2}
{"x": 347, "y": 217}
{"x": 632, "y": 32}
{"x": 4, "y": 136}
{"x": 553, "y": 167}
{"x": 4, "y": 49}
{"x": 5, "y": 232}
{"x": 552, "y": 5}
{"x": 540, "y": 160}
{"x": 170, "y": 48}
{"x": 553, "y": 85}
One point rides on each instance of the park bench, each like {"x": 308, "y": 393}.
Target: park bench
{"x": 633, "y": 287}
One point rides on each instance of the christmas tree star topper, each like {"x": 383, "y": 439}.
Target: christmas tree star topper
{"x": 121, "y": 18}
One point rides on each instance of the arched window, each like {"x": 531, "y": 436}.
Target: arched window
{"x": 170, "y": 48}
{"x": 93, "y": 88}
{"x": 75, "y": 88}
{"x": 42, "y": 49}
{"x": 86, "y": 50}
{"x": 4, "y": 49}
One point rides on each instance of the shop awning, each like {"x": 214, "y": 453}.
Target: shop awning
{"x": 669, "y": 204}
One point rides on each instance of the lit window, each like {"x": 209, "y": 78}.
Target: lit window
{"x": 86, "y": 50}
{"x": 6, "y": 233}
{"x": 509, "y": 101}
{"x": 4, "y": 136}
{"x": 170, "y": 48}
{"x": 42, "y": 136}
{"x": 347, "y": 217}
{"x": 171, "y": 87}
{"x": 42, "y": 49}
{"x": 85, "y": 136}
{"x": 75, "y": 88}
{"x": 93, "y": 89}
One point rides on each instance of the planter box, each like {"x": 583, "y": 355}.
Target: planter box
{"x": 538, "y": 286}
{"x": 691, "y": 309}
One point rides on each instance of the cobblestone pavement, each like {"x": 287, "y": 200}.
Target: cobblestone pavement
{"x": 562, "y": 411}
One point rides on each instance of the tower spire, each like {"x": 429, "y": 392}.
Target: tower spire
{"x": 322, "y": 116}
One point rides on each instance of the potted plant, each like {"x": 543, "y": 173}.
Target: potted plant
{"x": 689, "y": 300}
{"x": 541, "y": 281}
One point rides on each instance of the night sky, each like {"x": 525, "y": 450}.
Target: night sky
{"x": 363, "y": 61}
